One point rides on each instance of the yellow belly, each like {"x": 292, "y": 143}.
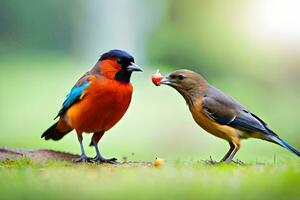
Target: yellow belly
{"x": 208, "y": 124}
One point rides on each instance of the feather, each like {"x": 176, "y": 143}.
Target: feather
{"x": 76, "y": 94}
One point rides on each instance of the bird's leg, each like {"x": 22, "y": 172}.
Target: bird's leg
{"x": 99, "y": 158}
{"x": 83, "y": 157}
{"x": 230, "y": 157}
{"x": 232, "y": 153}
{"x": 229, "y": 152}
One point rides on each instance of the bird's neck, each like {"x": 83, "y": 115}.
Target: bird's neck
{"x": 190, "y": 96}
{"x": 123, "y": 76}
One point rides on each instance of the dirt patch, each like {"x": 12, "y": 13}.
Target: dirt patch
{"x": 40, "y": 155}
{"x": 44, "y": 155}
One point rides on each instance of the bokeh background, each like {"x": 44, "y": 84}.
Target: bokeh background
{"x": 249, "y": 49}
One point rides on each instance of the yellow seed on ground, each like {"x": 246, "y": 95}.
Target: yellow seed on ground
{"x": 158, "y": 162}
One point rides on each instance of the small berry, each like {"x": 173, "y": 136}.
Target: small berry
{"x": 156, "y": 78}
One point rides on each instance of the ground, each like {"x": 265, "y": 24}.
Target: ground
{"x": 44, "y": 174}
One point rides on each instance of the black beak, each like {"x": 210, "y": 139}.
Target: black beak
{"x": 134, "y": 67}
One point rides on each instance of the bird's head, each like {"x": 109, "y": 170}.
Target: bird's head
{"x": 188, "y": 83}
{"x": 118, "y": 65}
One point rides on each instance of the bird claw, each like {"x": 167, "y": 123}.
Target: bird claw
{"x": 211, "y": 161}
{"x": 82, "y": 159}
{"x": 239, "y": 162}
{"x": 98, "y": 159}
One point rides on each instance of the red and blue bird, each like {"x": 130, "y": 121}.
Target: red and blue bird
{"x": 97, "y": 102}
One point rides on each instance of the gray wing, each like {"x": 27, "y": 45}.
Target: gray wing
{"x": 227, "y": 111}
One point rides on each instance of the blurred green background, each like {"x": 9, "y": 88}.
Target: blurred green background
{"x": 249, "y": 49}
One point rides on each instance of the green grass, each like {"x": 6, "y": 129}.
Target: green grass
{"x": 24, "y": 179}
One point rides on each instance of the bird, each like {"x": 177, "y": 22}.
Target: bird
{"x": 220, "y": 114}
{"x": 99, "y": 99}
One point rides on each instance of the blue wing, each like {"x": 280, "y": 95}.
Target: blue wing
{"x": 73, "y": 97}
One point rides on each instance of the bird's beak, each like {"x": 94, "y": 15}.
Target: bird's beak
{"x": 165, "y": 81}
{"x": 134, "y": 67}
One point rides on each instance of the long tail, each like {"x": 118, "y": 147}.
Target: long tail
{"x": 284, "y": 144}
{"x": 55, "y": 132}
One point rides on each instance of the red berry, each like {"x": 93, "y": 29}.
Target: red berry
{"x": 156, "y": 78}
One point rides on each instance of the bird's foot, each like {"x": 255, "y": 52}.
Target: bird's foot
{"x": 99, "y": 159}
{"x": 238, "y": 162}
{"x": 83, "y": 159}
{"x": 211, "y": 161}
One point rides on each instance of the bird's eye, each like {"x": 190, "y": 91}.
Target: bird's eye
{"x": 180, "y": 77}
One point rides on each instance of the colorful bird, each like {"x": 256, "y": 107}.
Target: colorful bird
{"x": 220, "y": 114}
{"x": 97, "y": 102}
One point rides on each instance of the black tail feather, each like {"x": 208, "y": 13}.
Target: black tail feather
{"x": 53, "y": 133}
{"x": 284, "y": 144}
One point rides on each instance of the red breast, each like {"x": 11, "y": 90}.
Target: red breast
{"x": 103, "y": 105}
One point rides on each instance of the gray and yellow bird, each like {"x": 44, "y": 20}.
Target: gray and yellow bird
{"x": 219, "y": 114}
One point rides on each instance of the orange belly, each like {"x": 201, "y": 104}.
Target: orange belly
{"x": 218, "y": 130}
{"x": 104, "y": 103}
